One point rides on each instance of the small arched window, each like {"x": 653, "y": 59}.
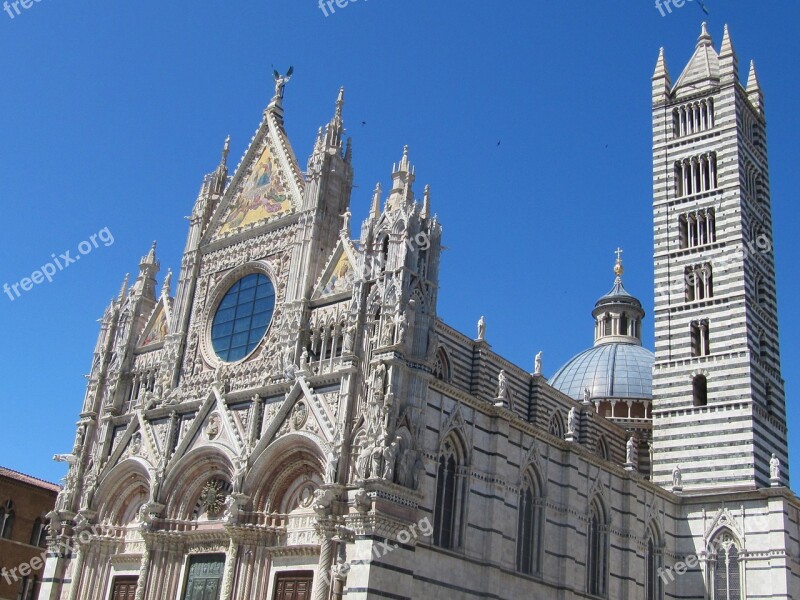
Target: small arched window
{"x": 602, "y": 448}
{"x": 7, "y": 516}
{"x": 556, "y": 427}
{"x": 384, "y": 261}
{"x": 700, "y": 390}
{"x": 39, "y": 533}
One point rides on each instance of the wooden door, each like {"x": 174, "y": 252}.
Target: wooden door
{"x": 293, "y": 585}
{"x": 124, "y": 588}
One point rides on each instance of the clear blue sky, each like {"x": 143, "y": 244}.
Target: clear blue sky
{"x": 112, "y": 112}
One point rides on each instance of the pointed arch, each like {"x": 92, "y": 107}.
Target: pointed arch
{"x": 602, "y": 448}
{"x": 122, "y": 492}
{"x": 653, "y": 562}
{"x": 451, "y": 491}
{"x": 530, "y": 522}
{"x": 597, "y": 548}
{"x": 556, "y": 426}
{"x": 188, "y": 477}
{"x": 442, "y": 365}
{"x": 725, "y": 571}
{"x": 8, "y": 515}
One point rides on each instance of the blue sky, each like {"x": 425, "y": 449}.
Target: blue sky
{"x": 530, "y": 120}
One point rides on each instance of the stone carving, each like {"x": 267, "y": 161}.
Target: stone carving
{"x": 677, "y": 477}
{"x": 537, "y": 363}
{"x": 572, "y": 421}
{"x": 402, "y": 328}
{"x": 362, "y": 501}
{"x": 332, "y": 465}
{"x": 304, "y": 361}
{"x": 389, "y": 459}
{"x": 136, "y": 443}
{"x": 362, "y": 463}
{"x": 212, "y": 497}
{"x": 629, "y": 451}
{"x": 502, "y": 385}
{"x": 239, "y": 474}
{"x": 323, "y": 498}
{"x": 774, "y": 467}
{"x": 299, "y": 415}
{"x": 482, "y": 328}
{"x": 587, "y": 395}
{"x": 213, "y": 427}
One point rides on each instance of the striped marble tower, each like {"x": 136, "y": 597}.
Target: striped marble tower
{"x": 718, "y": 394}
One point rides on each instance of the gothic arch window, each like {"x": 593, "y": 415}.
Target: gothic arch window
{"x": 7, "y": 517}
{"x": 450, "y": 494}
{"x": 39, "y": 533}
{"x": 597, "y": 551}
{"x": 556, "y": 427}
{"x": 529, "y": 525}
{"x": 654, "y": 587}
{"x": 602, "y": 448}
{"x": 699, "y": 390}
{"x": 441, "y": 368}
{"x": 700, "y": 341}
{"x": 384, "y": 257}
{"x": 726, "y": 569}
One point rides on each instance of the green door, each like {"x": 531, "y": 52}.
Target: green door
{"x": 205, "y": 577}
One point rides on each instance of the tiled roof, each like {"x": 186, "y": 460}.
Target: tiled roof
{"x": 34, "y": 481}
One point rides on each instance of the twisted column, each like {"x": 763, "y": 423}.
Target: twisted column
{"x": 144, "y": 569}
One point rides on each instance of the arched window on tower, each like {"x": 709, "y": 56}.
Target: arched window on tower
{"x": 556, "y": 427}
{"x": 725, "y": 571}
{"x": 699, "y": 390}
{"x": 448, "y": 509}
{"x": 529, "y": 524}
{"x": 8, "y": 515}
{"x": 597, "y": 551}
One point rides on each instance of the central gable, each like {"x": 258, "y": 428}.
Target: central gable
{"x": 266, "y": 187}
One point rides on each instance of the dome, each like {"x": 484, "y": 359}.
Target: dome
{"x": 611, "y": 370}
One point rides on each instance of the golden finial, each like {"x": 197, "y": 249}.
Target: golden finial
{"x": 618, "y": 268}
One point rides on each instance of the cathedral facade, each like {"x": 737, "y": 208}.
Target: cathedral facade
{"x": 296, "y": 421}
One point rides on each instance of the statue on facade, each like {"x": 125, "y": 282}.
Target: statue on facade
{"x": 482, "y": 328}
{"x": 502, "y": 385}
{"x": 362, "y": 463}
{"x": 774, "y": 467}
{"x": 332, "y": 465}
{"x": 537, "y": 363}
{"x": 587, "y": 395}
{"x": 572, "y": 420}
{"x": 629, "y": 450}
{"x": 677, "y": 477}
{"x": 389, "y": 459}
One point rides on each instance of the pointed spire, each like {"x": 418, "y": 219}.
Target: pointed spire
{"x": 375, "y": 210}
{"x": 728, "y": 61}
{"x": 661, "y": 66}
{"x": 754, "y": 92}
{"x": 150, "y": 259}
{"x": 335, "y": 129}
{"x": 165, "y": 287}
{"x": 705, "y": 37}
{"x": 402, "y": 178}
{"x": 124, "y": 289}
{"x": 426, "y": 203}
{"x": 727, "y": 46}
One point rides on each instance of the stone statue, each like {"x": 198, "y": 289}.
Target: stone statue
{"x": 629, "y": 447}
{"x": 481, "y": 328}
{"x": 362, "y": 501}
{"x": 502, "y": 385}
{"x": 572, "y": 420}
{"x": 346, "y": 221}
{"x": 389, "y": 459}
{"x": 587, "y": 395}
{"x": 323, "y": 498}
{"x": 331, "y": 467}
{"x": 240, "y": 463}
{"x": 418, "y": 472}
{"x": 362, "y": 464}
{"x": 537, "y": 363}
{"x": 774, "y": 467}
{"x": 281, "y": 81}
{"x": 304, "y": 360}
{"x": 377, "y": 459}
{"x": 402, "y": 327}
{"x": 677, "y": 477}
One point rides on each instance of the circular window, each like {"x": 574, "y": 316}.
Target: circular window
{"x": 242, "y": 317}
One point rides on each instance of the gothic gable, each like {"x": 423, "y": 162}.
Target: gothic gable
{"x": 155, "y": 332}
{"x": 339, "y": 274}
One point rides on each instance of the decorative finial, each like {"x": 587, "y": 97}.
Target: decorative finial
{"x": 705, "y": 37}
{"x": 376, "y": 202}
{"x": 340, "y": 103}
{"x": 618, "y": 268}
{"x": 226, "y": 148}
{"x": 167, "y": 283}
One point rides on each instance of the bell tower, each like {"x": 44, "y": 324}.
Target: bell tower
{"x": 718, "y": 394}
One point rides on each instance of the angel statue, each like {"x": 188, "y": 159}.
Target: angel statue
{"x": 281, "y": 81}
